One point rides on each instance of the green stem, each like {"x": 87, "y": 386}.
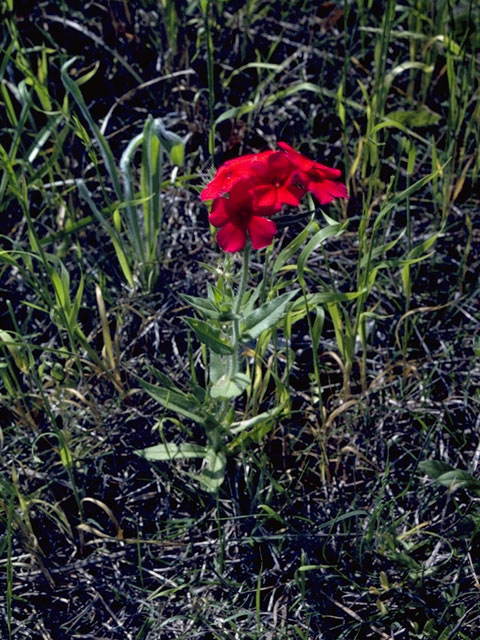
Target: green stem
{"x": 233, "y": 364}
{"x": 210, "y": 77}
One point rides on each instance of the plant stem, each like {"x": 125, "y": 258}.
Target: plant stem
{"x": 210, "y": 77}
{"x": 233, "y": 364}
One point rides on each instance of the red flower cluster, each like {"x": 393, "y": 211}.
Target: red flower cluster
{"x": 258, "y": 185}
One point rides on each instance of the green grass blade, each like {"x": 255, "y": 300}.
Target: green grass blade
{"x": 104, "y": 147}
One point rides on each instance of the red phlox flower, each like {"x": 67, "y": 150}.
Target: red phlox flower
{"x": 231, "y": 172}
{"x": 258, "y": 185}
{"x": 315, "y": 177}
{"x": 237, "y": 215}
{"x": 274, "y": 182}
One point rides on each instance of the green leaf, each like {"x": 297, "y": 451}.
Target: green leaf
{"x": 66, "y": 456}
{"x": 164, "y": 380}
{"x": 403, "y": 195}
{"x": 421, "y": 117}
{"x": 88, "y": 75}
{"x": 75, "y": 308}
{"x": 212, "y": 477}
{"x": 450, "y": 44}
{"x": 378, "y": 251}
{"x": 291, "y": 249}
{"x": 423, "y": 247}
{"x": 176, "y": 401}
{"x": 17, "y": 351}
{"x": 236, "y": 112}
{"x": 216, "y": 367}
{"x": 204, "y": 306}
{"x": 112, "y": 232}
{"x": 238, "y": 427}
{"x": 325, "y": 297}
{"x": 211, "y": 336}
{"x": 226, "y": 388}
{"x": 151, "y": 188}
{"x": 266, "y": 316}
{"x": 338, "y": 326}
{"x": 435, "y": 468}
{"x": 405, "y": 66}
{"x": 172, "y": 451}
{"x": 258, "y": 427}
{"x": 458, "y": 479}
{"x": 343, "y": 516}
{"x": 313, "y": 88}
{"x": 317, "y": 327}
{"x": 170, "y": 141}
{"x": 272, "y": 513}
{"x": 131, "y": 217}
{"x": 314, "y": 242}
{"x": 72, "y": 88}
{"x": 62, "y": 293}
{"x": 448, "y": 476}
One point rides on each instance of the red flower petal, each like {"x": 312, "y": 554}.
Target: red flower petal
{"x": 301, "y": 162}
{"x": 272, "y": 198}
{"x": 317, "y": 177}
{"x": 240, "y": 198}
{"x": 231, "y": 238}
{"x": 264, "y": 197}
{"x": 308, "y": 166}
{"x": 326, "y": 190}
{"x": 280, "y": 167}
{"x": 261, "y": 231}
{"x": 325, "y": 172}
{"x": 285, "y": 195}
{"x": 219, "y": 215}
{"x": 231, "y": 172}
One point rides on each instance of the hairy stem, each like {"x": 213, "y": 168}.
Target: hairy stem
{"x": 233, "y": 365}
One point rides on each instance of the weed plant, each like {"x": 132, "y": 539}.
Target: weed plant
{"x": 341, "y": 501}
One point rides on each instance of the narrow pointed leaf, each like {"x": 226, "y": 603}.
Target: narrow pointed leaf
{"x": 267, "y": 315}
{"x": 182, "y": 403}
{"x": 172, "y": 451}
{"x": 213, "y": 474}
{"x": 227, "y": 388}
{"x": 211, "y": 336}
{"x": 316, "y": 241}
{"x": 435, "y": 468}
{"x": 202, "y": 305}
